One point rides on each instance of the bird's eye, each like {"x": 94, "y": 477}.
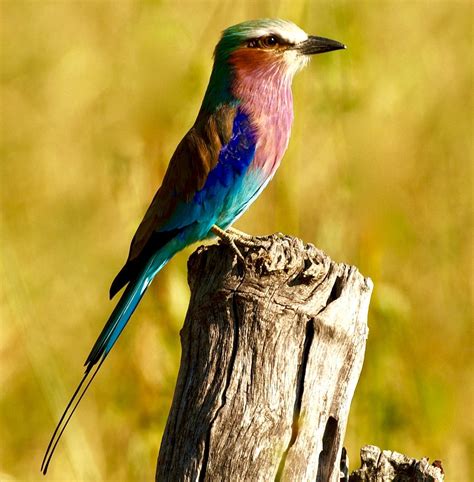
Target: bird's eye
{"x": 269, "y": 42}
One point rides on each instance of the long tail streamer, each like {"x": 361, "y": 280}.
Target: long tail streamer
{"x": 107, "y": 338}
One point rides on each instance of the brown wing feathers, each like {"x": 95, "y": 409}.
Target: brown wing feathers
{"x": 196, "y": 155}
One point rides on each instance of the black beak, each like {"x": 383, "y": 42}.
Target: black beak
{"x": 318, "y": 45}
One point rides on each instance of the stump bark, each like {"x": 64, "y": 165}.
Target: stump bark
{"x": 271, "y": 355}
{"x": 388, "y": 465}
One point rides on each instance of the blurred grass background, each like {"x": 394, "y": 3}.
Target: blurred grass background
{"x": 95, "y": 95}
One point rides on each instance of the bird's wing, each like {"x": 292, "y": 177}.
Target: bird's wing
{"x": 196, "y": 155}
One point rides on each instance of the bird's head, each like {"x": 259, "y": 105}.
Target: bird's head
{"x": 258, "y": 43}
{"x": 262, "y": 49}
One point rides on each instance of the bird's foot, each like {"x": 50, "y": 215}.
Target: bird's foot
{"x": 242, "y": 238}
{"x": 233, "y": 237}
{"x": 239, "y": 233}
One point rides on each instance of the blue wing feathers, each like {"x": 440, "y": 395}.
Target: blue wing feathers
{"x": 223, "y": 181}
{"x": 205, "y": 207}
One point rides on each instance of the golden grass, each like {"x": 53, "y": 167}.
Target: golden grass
{"x": 95, "y": 96}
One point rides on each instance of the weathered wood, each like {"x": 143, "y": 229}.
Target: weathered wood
{"x": 271, "y": 355}
{"x": 386, "y": 465}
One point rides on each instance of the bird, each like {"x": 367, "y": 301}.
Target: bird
{"x": 218, "y": 169}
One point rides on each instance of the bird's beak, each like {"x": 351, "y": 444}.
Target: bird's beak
{"x": 318, "y": 45}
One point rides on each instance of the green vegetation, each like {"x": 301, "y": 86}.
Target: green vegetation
{"x": 95, "y": 95}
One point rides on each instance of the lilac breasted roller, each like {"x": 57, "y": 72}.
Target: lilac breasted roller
{"x": 218, "y": 169}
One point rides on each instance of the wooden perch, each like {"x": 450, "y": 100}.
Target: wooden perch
{"x": 271, "y": 356}
{"x": 387, "y": 465}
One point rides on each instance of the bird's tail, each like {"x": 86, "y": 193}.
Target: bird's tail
{"x": 107, "y": 338}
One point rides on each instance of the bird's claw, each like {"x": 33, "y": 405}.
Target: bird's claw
{"x": 237, "y": 251}
{"x": 233, "y": 237}
{"x": 239, "y": 234}
{"x": 242, "y": 238}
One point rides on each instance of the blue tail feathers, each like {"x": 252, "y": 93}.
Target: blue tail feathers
{"x": 107, "y": 338}
{"x": 117, "y": 320}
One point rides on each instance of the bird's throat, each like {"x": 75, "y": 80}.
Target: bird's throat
{"x": 262, "y": 86}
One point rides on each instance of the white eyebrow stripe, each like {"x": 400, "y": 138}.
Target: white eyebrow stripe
{"x": 288, "y": 31}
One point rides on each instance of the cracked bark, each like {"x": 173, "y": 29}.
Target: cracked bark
{"x": 387, "y": 465}
{"x": 271, "y": 356}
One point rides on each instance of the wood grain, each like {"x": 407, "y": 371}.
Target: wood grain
{"x": 271, "y": 356}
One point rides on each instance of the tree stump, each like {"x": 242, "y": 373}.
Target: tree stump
{"x": 271, "y": 356}
{"x": 387, "y": 465}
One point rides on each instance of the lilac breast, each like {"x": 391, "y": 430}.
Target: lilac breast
{"x": 266, "y": 97}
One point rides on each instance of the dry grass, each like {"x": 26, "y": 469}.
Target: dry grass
{"x": 95, "y": 96}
